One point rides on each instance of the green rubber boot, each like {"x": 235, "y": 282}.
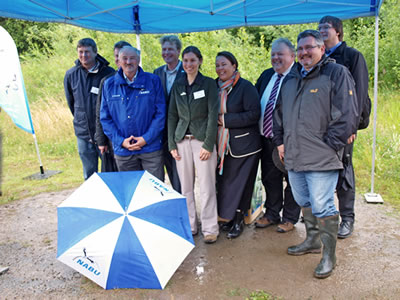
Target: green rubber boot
{"x": 312, "y": 243}
{"x": 328, "y": 228}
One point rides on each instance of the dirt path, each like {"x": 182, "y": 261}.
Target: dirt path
{"x": 368, "y": 262}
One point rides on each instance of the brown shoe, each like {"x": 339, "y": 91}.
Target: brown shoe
{"x": 210, "y": 239}
{"x": 264, "y": 222}
{"x": 285, "y": 227}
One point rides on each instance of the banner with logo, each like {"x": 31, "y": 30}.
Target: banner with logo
{"x": 13, "y": 97}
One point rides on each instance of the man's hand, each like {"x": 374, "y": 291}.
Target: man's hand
{"x": 281, "y": 152}
{"x": 204, "y": 154}
{"x": 221, "y": 120}
{"x": 128, "y": 143}
{"x": 175, "y": 154}
{"x": 103, "y": 149}
{"x": 138, "y": 143}
{"x": 351, "y": 139}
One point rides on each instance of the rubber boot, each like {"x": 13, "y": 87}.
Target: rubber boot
{"x": 312, "y": 243}
{"x": 328, "y": 228}
{"x": 237, "y": 227}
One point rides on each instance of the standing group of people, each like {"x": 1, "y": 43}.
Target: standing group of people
{"x": 304, "y": 113}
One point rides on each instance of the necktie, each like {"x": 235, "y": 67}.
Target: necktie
{"x": 269, "y": 108}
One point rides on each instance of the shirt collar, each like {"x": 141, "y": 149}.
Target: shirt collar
{"x": 174, "y": 70}
{"x": 134, "y": 77}
{"x": 287, "y": 71}
{"x": 304, "y": 72}
{"x": 330, "y": 51}
{"x": 95, "y": 68}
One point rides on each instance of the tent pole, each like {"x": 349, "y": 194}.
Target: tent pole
{"x": 138, "y": 46}
{"x": 373, "y": 197}
{"x": 38, "y": 154}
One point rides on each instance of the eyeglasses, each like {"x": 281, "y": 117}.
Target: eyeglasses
{"x": 324, "y": 27}
{"x": 306, "y": 48}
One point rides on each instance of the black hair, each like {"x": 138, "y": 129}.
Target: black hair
{"x": 229, "y": 56}
{"x": 194, "y": 50}
{"x": 87, "y": 42}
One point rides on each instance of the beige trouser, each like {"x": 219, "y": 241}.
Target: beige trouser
{"x": 189, "y": 150}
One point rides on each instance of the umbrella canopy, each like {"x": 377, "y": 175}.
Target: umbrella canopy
{"x": 148, "y": 16}
{"x": 124, "y": 230}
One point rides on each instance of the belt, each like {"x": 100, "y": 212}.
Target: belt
{"x": 189, "y": 137}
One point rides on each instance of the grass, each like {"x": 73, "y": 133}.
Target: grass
{"x": 387, "y": 155}
{"x": 261, "y": 295}
{"x": 57, "y": 145}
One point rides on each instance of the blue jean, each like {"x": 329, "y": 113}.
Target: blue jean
{"x": 89, "y": 154}
{"x": 315, "y": 189}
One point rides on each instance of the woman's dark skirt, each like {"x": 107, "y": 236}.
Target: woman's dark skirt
{"x": 235, "y": 186}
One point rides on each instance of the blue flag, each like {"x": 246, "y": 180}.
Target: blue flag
{"x": 13, "y": 97}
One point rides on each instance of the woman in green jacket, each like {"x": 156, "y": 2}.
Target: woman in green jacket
{"x": 192, "y": 131}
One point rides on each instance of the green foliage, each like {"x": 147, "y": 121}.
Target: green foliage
{"x": 387, "y": 162}
{"x": 30, "y": 36}
{"x": 261, "y": 295}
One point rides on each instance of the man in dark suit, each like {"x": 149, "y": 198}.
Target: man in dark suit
{"x": 171, "y": 48}
{"x": 268, "y": 86}
{"x": 331, "y": 29}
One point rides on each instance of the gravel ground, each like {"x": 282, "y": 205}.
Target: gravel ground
{"x": 368, "y": 262}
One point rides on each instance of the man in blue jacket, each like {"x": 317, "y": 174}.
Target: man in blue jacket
{"x": 81, "y": 86}
{"x": 133, "y": 115}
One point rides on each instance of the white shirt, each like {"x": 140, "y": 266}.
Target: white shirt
{"x": 267, "y": 93}
{"x": 171, "y": 75}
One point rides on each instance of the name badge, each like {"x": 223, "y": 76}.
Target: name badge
{"x": 199, "y": 94}
{"x": 94, "y": 90}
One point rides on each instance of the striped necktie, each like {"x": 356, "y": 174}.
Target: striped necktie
{"x": 269, "y": 108}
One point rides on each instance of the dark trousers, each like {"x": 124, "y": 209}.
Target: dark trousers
{"x": 272, "y": 179}
{"x": 346, "y": 189}
{"x": 152, "y": 162}
{"x": 172, "y": 172}
{"x": 108, "y": 163}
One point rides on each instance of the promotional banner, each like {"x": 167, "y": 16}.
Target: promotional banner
{"x": 12, "y": 89}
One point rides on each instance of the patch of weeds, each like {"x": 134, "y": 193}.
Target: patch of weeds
{"x": 47, "y": 241}
{"x": 262, "y": 295}
{"x": 238, "y": 292}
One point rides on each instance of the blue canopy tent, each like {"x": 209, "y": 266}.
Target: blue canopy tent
{"x": 166, "y": 16}
{"x": 179, "y": 16}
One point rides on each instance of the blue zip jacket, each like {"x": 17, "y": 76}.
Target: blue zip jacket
{"x": 136, "y": 109}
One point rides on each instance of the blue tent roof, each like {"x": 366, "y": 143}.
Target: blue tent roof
{"x": 174, "y": 16}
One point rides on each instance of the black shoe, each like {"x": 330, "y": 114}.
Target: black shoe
{"x": 226, "y": 226}
{"x": 345, "y": 229}
{"x": 237, "y": 227}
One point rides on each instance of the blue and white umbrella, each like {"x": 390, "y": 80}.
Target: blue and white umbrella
{"x": 124, "y": 230}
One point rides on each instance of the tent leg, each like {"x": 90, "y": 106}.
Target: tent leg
{"x": 373, "y": 197}
{"x": 138, "y": 46}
